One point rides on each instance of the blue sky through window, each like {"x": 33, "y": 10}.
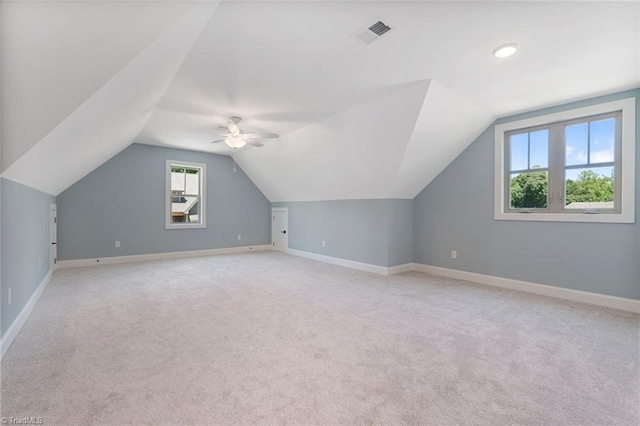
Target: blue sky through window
{"x": 519, "y": 151}
{"x": 539, "y": 147}
{"x": 577, "y": 144}
{"x": 590, "y": 143}
{"x": 602, "y": 140}
{"x": 530, "y": 150}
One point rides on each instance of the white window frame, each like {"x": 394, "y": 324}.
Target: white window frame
{"x": 202, "y": 195}
{"x": 627, "y": 165}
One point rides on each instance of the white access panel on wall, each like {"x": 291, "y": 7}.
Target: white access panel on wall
{"x": 279, "y": 228}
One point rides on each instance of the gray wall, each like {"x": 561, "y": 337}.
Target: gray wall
{"x": 124, "y": 199}
{"x": 455, "y": 212}
{"x": 25, "y": 242}
{"x": 400, "y": 232}
{"x": 356, "y": 230}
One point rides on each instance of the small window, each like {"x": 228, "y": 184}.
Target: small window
{"x": 185, "y": 195}
{"x": 578, "y": 165}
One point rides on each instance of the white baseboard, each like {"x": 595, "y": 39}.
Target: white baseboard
{"x": 22, "y": 317}
{"x": 367, "y": 267}
{"x": 399, "y": 269}
{"x": 620, "y": 303}
{"x": 158, "y": 256}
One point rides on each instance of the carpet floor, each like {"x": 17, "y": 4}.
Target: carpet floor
{"x": 270, "y": 338}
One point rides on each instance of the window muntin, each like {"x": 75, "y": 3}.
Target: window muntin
{"x": 590, "y": 166}
{"x": 185, "y": 195}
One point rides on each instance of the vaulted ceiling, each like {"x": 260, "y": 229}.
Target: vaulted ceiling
{"x": 83, "y": 80}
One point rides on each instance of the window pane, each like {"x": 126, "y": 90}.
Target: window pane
{"x": 577, "y": 143}
{"x": 193, "y": 184}
{"x": 528, "y": 190}
{"x": 539, "y": 146}
{"x": 589, "y": 188}
{"x": 177, "y": 181}
{"x": 185, "y": 192}
{"x": 519, "y": 151}
{"x": 602, "y": 135}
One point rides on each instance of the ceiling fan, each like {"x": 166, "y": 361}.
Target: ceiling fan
{"x": 235, "y": 138}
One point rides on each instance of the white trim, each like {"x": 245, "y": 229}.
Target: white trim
{"x": 620, "y": 303}
{"x": 203, "y": 196}
{"x": 628, "y": 108}
{"x": 613, "y": 302}
{"x": 286, "y": 236}
{"x": 53, "y": 229}
{"x": 21, "y": 319}
{"x": 158, "y": 256}
{"x": 367, "y": 267}
{"x": 352, "y": 264}
{"x": 400, "y": 269}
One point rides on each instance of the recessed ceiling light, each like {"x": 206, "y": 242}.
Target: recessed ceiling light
{"x": 505, "y": 50}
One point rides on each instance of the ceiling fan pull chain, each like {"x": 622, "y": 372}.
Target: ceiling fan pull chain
{"x": 233, "y": 157}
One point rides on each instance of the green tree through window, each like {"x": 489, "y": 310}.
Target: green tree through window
{"x": 529, "y": 190}
{"x": 590, "y": 187}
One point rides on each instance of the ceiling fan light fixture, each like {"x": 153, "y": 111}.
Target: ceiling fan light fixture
{"x": 235, "y": 142}
{"x": 505, "y": 50}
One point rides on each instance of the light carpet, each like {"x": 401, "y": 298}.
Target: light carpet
{"x": 271, "y": 338}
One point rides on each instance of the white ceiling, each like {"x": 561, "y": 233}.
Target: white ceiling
{"x": 357, "y": 121}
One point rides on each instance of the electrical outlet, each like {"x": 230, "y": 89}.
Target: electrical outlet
{"x": 454, "y": 254}
{"x": 239, "y": 237}
{"x": 323, "y": 244}
{"x": 117, "y": 244}
{"x": 9, "y": 297}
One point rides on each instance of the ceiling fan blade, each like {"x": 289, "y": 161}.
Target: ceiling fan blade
{"x": 260, "y": 135}
{"x": 218, "y": 141}
{"x": 254, "y": 143}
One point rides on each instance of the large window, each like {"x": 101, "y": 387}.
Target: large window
{"x": 577, "y": 165}
{"x": 185, "y": 195}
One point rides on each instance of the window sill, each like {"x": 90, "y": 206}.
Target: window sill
{"x": 567, "y": 217}
{"x": 186, "y": 226}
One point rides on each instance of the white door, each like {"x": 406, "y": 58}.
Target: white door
{"x": 279, "y": 222}
{"x": 53, "y": 231}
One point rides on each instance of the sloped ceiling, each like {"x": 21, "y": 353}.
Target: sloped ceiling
{"x": 56, "y": 55}
{"x": 82, "y": 80}
{"x": 110, "y": 119}
{"x": 354, "y": 154}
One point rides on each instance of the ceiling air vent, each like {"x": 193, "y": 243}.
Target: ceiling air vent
{"x": 372, "y": 33}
